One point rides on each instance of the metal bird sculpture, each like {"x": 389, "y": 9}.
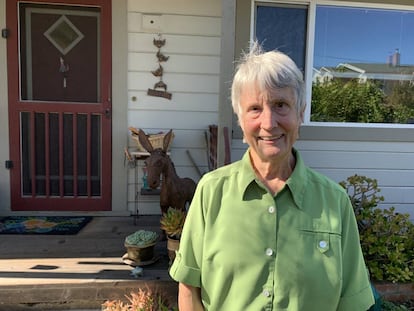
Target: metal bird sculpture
{"x": 161, "y": 57}
{"x": 159, "y": 72}
{"x": 159, "y": 43}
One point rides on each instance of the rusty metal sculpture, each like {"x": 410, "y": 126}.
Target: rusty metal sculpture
{"x": 159, "y": 72}
{"x": 175, "y": 192}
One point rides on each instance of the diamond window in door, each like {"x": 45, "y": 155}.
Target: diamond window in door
{"x": 63, "y": 35}
{"x": 60, "y": 54}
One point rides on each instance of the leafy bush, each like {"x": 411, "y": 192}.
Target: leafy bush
{"x": 341, "y": 101}
{"x": 391, "y": 306}
{"x": 387, "y": 237}
{"x": 351, "y": 101}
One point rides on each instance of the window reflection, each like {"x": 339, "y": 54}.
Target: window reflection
{"x": 363, "y": 65}
{"x": 283, "y": 27}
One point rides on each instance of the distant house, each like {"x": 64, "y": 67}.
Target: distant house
{"x": 381, "y": 72}
{"x": 75, "y": 74}
{"x": 342, "y": 71}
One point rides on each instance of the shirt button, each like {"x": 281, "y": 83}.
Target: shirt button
{"x": 266, "y": 293}
{"x": 323, "y": 244}
{"x": 271, "y": 209}
{"x": 269, "y": 252}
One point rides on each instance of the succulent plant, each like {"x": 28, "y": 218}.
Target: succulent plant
{"x": 141, "y": 238}
{"x": 172, "y": 222}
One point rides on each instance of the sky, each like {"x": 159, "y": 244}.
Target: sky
{"x": 362, "y": 35}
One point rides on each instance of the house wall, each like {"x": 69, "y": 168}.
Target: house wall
{"x": 193, "y": 34}
{"x": 192, "y": 30}
{"x": 391, "y": 163}
{"x": 384, "y": 154}
{"x": 4, "y": 124}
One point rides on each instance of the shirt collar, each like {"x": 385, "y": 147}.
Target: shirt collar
{"x": 296, "y": 182}
{"x": 247, "y": 174}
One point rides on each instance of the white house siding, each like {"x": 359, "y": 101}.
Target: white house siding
{"x": 391, "y": 163}
{"x": 192, "y": 32}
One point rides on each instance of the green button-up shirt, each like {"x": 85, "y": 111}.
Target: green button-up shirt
{"x": 248, "y": 250}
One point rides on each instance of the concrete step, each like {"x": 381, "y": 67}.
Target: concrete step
{"x": 82, "y": 271}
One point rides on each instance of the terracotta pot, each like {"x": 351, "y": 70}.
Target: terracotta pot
{"x": 172, "y": 246}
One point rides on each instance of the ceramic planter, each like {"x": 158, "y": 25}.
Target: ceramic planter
{"x": 140, "y": 253}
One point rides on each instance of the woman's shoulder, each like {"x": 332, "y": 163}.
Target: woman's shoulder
{"x": 322, "y": 180}
{"x": 223, "y": 171}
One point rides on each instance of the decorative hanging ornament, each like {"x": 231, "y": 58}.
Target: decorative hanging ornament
{"x": 159, "y": 72}
{"x": 63, "y": 68}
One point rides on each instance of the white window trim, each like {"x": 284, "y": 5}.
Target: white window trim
{"x": 310, "y": 49}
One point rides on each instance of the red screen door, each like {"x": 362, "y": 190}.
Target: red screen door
{"x": 59, "y": 69}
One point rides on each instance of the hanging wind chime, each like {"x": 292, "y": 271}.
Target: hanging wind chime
{"x": 160, "y": 88}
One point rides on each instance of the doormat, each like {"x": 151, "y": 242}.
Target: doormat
{"x": 42, "y": 224}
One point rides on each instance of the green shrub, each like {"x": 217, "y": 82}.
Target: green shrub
{"x": 390, "y": 306}
{"x": 351, "y": 101}
{"x": 387, "y": 237}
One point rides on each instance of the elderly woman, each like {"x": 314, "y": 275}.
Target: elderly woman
{"x": 267, "y": 232}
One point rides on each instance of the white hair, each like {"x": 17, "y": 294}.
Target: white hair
{"x": 268, "y": 71}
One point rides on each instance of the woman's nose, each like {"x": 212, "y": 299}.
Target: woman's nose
{"x": 269, "y": 119}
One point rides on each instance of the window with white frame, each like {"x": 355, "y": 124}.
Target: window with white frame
{"x": 363, "y": 57}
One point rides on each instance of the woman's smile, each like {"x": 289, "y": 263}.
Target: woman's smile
{"x": 271, "y": 138}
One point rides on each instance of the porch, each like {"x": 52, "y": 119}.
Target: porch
{"x": 61, "y": 272}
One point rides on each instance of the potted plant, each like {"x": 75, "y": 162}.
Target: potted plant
{"x": 172, "y": 223}
{"x": 140, "y": 245}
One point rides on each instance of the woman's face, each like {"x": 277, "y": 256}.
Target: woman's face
{"x": 270, "y": 122}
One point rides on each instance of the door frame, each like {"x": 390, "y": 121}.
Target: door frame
{"x": 13, "y": 94}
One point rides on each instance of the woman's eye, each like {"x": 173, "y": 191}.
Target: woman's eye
{"x": 282, "y": 107}
{"x": 255, "y": 108}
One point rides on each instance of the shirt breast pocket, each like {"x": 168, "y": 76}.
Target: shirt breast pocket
{"x": 326, "y": 256}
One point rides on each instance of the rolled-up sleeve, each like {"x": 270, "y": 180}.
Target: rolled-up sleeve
{"x": 186, "y": 267}
{"x": 185, "y": 274}
{"x": 356, "y": 291}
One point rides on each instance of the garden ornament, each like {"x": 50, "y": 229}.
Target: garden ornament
{"x": 175, "y": 192}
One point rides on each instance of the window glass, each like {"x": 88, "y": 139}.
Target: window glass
{"x": 283, "y": 27}
{"x": 363, "y": 67}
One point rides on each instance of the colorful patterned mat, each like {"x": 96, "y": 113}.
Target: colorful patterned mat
{"x": 42, "y": 224}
